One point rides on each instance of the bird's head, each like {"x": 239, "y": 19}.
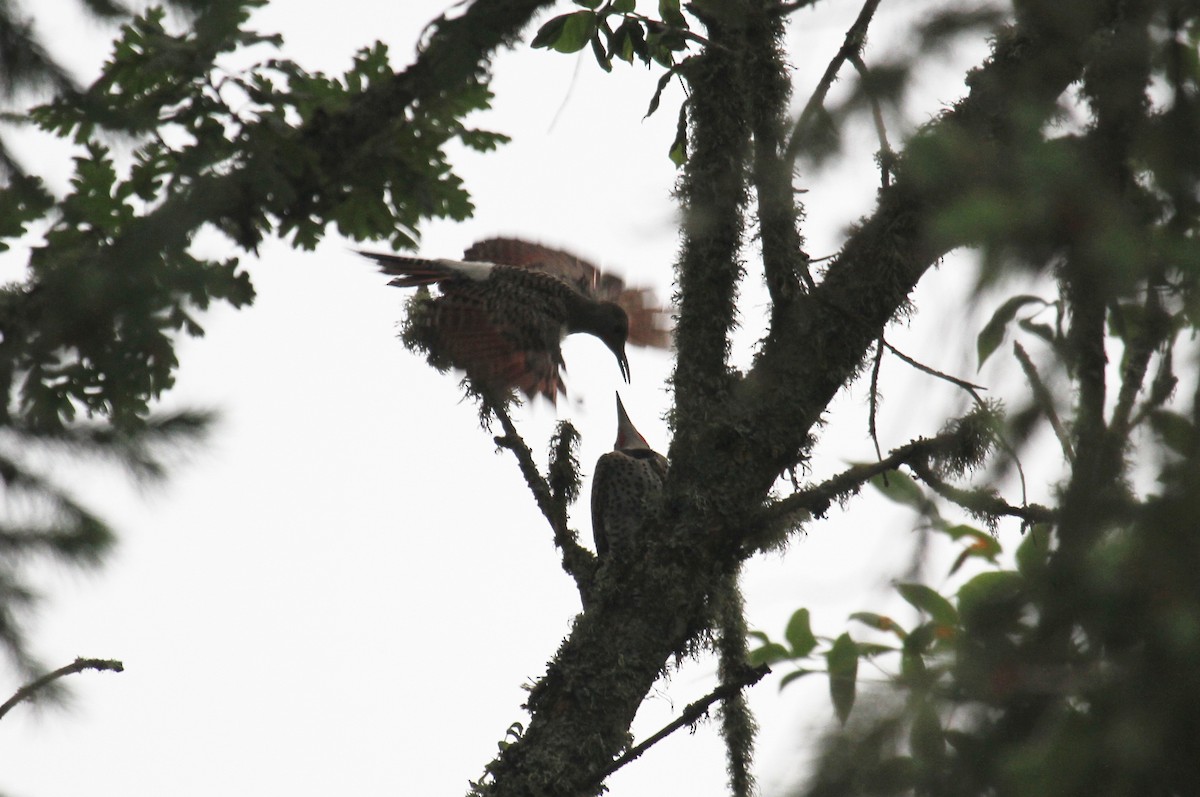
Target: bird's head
{"x": 613, "y": 329}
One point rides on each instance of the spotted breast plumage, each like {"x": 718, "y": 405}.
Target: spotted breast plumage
{"x": 503, "y": 311}
{"x": 626, "y": 485}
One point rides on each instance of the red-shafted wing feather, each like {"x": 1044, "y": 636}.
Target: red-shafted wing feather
{"x": 649, "y": 322}
{"x": 473, "y": 339}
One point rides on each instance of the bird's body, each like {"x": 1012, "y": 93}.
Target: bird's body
{"x": 503, "y": 312}
{"x": 626, "y": 485}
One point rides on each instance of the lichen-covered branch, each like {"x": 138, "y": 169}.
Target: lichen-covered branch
{"x": 579, "y": 563}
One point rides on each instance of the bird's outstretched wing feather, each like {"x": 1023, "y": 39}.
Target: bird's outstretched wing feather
{"x": 649, "y": 321}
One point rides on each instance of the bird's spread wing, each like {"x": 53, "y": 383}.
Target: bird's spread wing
{"x": 466, "y": 334}
{"x": 649, "y": 321}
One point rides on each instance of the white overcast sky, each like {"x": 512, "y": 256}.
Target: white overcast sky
{"x": 346, "y": 588}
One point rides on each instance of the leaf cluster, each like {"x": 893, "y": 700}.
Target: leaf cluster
{"x": 192, "y": 124}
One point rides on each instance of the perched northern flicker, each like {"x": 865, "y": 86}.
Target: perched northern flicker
{"x": 628, "y": 480}
{"x": 504, "y": 310}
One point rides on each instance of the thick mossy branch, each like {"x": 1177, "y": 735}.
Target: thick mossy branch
{"x": 737, "y": 722}
{"x": 733, "y": 437}
{"x": 713, "y": 194}
{"x": 803, "y": 366}
{"x": 784, "y": 262}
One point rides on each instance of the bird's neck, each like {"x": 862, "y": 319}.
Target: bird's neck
{"x": 583, "y": 314}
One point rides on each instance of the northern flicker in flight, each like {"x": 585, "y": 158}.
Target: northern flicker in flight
{"x": 627, "y": 483}
{"x": 504, "y": 310}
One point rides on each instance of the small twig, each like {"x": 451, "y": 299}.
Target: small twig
{"x": 1155, "y": 328}
{"x": 852, "y": 46}
{"x": 79, "y": 665}
{"x": 886, "y": 156}
{"x": 970, "y": 387}
{"x": 691, "y": 714}
{"x": 982, "y": 501}
{"x": 1041, "y": 394}
{"x": 973, "y": 390}
{"x": 874, "y": 398}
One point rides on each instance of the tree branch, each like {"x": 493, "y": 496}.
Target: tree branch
{"x": 783, "y": 257}
{"x": 692, "y": 713}
{"x": 1044, "y": 399}
{"x": 79, "y": 665}
{"x": 982, "y": 502}
{"x": 887, "y": 157}
{"x": 851, "y": 48}
{"x": 579, "y": 563}
{"x": 777, "y": 517}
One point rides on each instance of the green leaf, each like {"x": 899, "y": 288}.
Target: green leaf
{"x": 992, "y": 334}
{"x": 1033, "y": 554}
{"x": 678, "y": 151}
{"x": 842, "y": 660}
{"x": 601, "y": 56}
{"x": 1043, "y": 331}
{"x": 926, "y": 739}
{"x": 576, "y": 33}
{"x": 592, "y": 4}
{"x": 668, "y": 12}
{"x": 799, "y": 634}
{"x": 928, "y": 634}
{"x": 793, "y": 676}
{"x": 769, "y": 654}
{"x": 568, "y": 33}
{"x": 624, "y": 6}
{"x": 879, "y": 622}
{"x": 658, "y": 90}
{"x": 1176, "y": 431}
{"x": 929, "y": 601}
{"x": 900, "y": 487}
{"x": 867, "y": 650}
{"x": 992, "y": 601}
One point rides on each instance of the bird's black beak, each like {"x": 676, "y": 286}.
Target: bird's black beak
{"x": 623, "y": 361}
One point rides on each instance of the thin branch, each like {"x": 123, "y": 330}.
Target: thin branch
{"x": 982, "y": 502}
{"x": 690, "y": 715}
{"x": 816, "y": 500}
{"x": 576, "y": 560}
{"x": 873, "y": 405}
{"x": 851, "y": 47}
{"x": 973, "y": 390}
{"x": 970, "y": 387}
{"x": 533, "y": 477}
{"x": 1154, "y": 329}
{"x": 784, "y": 258}
{"x": 1041, "y": 394}
{"x": 79, "y": 665}
{"x": 887, "y": 156}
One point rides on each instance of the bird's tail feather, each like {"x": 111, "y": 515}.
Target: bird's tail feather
{"x": 410, "y": 272}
